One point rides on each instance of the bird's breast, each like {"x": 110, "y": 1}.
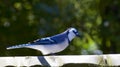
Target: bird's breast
{"x": 63, "y": 45}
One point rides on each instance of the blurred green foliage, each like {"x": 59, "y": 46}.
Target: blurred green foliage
{"x": 22, "y": 21}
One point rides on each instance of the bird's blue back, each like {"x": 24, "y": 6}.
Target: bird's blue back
{"x": 51, "y": 40}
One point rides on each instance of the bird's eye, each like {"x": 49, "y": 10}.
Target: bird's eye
{"x": 75, "y": 31}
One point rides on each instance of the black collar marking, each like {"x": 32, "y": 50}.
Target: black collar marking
{"x": 68, "y": 37}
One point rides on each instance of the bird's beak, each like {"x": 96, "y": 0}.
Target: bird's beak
{"x": 79, "y": 35}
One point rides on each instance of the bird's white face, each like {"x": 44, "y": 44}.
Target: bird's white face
{"x": 72, "y": 33}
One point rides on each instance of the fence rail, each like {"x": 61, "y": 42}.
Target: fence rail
{"x": 60, "y": 60}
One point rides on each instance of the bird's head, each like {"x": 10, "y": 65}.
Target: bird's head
{"x": 72, "y": 33}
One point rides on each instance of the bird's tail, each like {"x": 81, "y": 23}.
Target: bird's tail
{"x": 17, "y": 46}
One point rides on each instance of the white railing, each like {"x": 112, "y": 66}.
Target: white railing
{"x": 60, "y": 60}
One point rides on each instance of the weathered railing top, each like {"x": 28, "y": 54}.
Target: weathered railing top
{"x": 105, "y": 60}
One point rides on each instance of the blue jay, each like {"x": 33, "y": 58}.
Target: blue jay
{"x": 53, "y": 44}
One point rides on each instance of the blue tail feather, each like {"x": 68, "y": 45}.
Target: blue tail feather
{"x": 17, "y": 46}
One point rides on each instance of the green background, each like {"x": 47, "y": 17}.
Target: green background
{"x": 22, "y": 21}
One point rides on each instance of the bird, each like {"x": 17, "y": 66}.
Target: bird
{"x": 52, "y": 44}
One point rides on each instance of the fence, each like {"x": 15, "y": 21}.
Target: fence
{"x": 60, "y": 60}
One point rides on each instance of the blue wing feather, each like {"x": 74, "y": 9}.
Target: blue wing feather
{"x": 42, "y": 41}
{"x": 50, "y": 40}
